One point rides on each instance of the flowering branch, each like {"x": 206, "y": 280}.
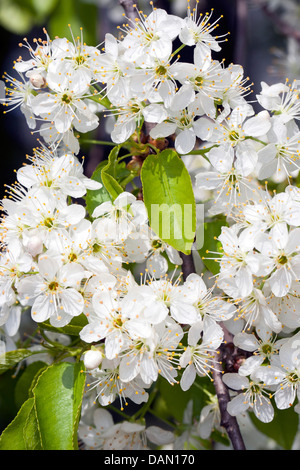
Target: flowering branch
{"x": 70, "y": 263}
{"x": 188, "y": 268}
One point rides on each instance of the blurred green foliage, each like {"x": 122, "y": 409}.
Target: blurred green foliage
{"x": 21, "y": 16}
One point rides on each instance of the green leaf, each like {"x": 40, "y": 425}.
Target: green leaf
{"x": 211, "y": 245}
{"x": 109, "y": 174}
{"x": 73, "y": 328}
{"x": 12, "y": 358}
{"x": 8, "y": 408}
{"x": 22, "y": 389}
{"x": 31, "y": 433}
{"x": 22, "y": 433}
{"x": 173, "y": 395}
{"x": 19, "y": 16}
{"x": 282, "y": 429}
{"x": 58, "y": 398}
{"x": 96, "y": 197}
{"x": 78, "y": 14}
{"x": 169, "y": 199}
{"x": 43, "y": 8}
{"x": 15, "y": 18}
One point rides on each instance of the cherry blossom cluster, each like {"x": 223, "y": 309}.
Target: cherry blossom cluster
{"x": 60, "y": 262}
{"x": 63, "y": 82}
{"x": 101, "y": 433}
{"x": 260, "y": 273}
{"x": 105, "y": 434}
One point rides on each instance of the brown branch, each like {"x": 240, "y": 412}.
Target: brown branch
{"x": 188, "y": 266}
{"x": 241, "y": 33}
{"x": 130, "y": 8}
{"x": 283, "y": 27}
{"x": 228, "y": 422}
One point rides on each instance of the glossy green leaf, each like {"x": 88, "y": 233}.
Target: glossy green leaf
{"x": 78, "y": 14}
{"x": 173, "y": 394}
{"x": 282, "y": 429}
{"x": 8, "y": 407}
{"x": 22, "y": 433}
{"x": 211, "y": 245}
{"x": 96, "y": 197}
{"x": 15, "y": 18}
{"x": 169, "y": 199}
{"x": 109, "y": 174}
{"x": 12, "y": 358}
{"x": 23, "y": 385}
{"x": 58, "y": 398}
{"x": 73, "y": 328}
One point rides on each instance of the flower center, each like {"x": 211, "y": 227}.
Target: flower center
{"x": 293, "y": 378}
{"x": 266, "y": 349}
{"x": 118, "y": 322}
{"x": 282, "y": 259}
{"x": 198, "y": 81}
{"x": 53, "y": 286}
{"x": 72, "y": 257}
{"x": 80, "y": 60}
{"x": 156, "y": 244}
{"x": 66, "y": 98}
{"x": 48, "y": 222}
{"x": 233, "y": 136}
{"x": 161, "y": 70}
{"x": 97, "y": 248}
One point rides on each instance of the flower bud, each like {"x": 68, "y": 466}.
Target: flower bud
{"x": 92, "y": 359}
{"x": 37, "y": 80}
{"x": 34, "y": 245}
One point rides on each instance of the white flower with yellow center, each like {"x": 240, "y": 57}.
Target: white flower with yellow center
{"x": 57, "y": 173}
{"x": 199, "y": 356}
{"x": 180, "y": 119}
{"x": 197, "y": 31}
{"x": 153, "y": 34}
{"x": 20, "y": 94}
{"x": 53, "y": 292}
{"x": 236, "y": 131}
{"x": 253, "y": 396}
{"x": 110, "y": 387}
{"x": 64, "y": 104}
{"x": 117, "y": 321}
{"x": 284, "y": 373}
{"x": 232, "y": 188}
{"x": 281, "y": 99}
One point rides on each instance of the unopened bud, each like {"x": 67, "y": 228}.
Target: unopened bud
{"x": 160, "y": 143}
{"x": 37, "y": 80}
{"x": 34, "y": 245}
{"x": 92, "y": 359}
{"x": 135, "y": 164}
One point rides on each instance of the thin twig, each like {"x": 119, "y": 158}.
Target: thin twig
{"x": 188, "y": 266}
{"x": 283, "y": 27}
{"x": 130, "y": 9}
{"x": 228, "y": 422}
{"x": 241, "y": 34}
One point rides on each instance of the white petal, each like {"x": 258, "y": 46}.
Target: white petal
{"x": 188, "y": 377}
{"x": 185, "y": 141}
